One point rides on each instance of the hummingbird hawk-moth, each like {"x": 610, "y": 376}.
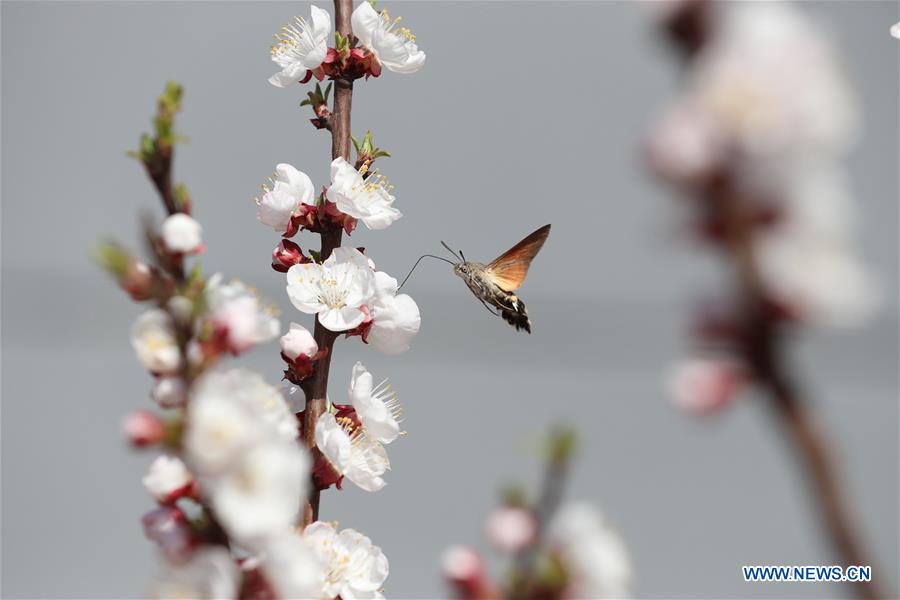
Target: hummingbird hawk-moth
{"x": 495, "y": 284}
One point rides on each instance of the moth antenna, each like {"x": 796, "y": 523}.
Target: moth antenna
{"x": 417, "y": 264}
{"x": 463, "y": 255}
{"x": 444, "y": 244}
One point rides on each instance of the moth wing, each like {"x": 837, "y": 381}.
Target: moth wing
{"x": 508, "y": 270}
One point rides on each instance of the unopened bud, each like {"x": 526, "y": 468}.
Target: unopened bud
{"x": 169, "y": 392}
{"x": 298, "y": 340}
{"x": 143, "y": 428}
{"x": 511, "y": 529}
{"x": 286, "y": 255}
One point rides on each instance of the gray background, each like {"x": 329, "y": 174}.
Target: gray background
{"x": 525, "y": 113}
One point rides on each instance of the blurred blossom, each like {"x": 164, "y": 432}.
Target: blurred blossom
{"x": 352, "y": 455}
{"x": 362, "y": 194}
{"x": 238, "y": 312}
{"x": 242, "y": 440}
{"x": 464, "y": 568}
{"x": 895, "y": 30}
{"x": 301, "y": 47}
{"x": 592, "y": 554}
{"x": 291, "y": 189}
{"x": 821, "y": 280}
{"x": 354, "y": 567}
{"x": 231, "y": 411}
{"x": 685, "y": 146}
{"x": 210, "y": 573}
{"x": 703, "y": 385}
{"x": 395, "y": 317}
{"x": 336, "y": 290}
{"x": 393, "y": 46}
{"x": 767, "y": 105}
{"x": 772, "y": 83}
{"x": 169, "y": 392}
{"x": 376, "y": 406}
{"x": 292, "y": 567}
{"x": 154, "y": 342}
{"x": 182, "y": 234}
{"x": 169, "y": 528}
{"x": 511, "y": 529}
{"x": 167, "y": 478}
{"x": 260, "y": 495}
{"x": 181, "y": 308}
{"x": 143, "y": 428}
{"x": 298, "y": 340}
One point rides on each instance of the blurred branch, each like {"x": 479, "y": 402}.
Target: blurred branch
{"x": 560, "y": 449}
{"x": 689, "y": 27}
{"x": 762, "y": 350}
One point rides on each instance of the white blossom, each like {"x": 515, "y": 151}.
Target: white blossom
{"x": 292, "y": 567}
{"x": 376, "y": 406}
{"x": 166, "y": 476}
{"x": 820, "y": 280}
{"x": 298, "y": 340}
{"x": 260, "y": 494}
{"x": 302, "y": 46}
{"x": 154, "y": 342}
{"x": 169, "y": 392}
{"x": 232, "y": 410}
{"x": 336, "y": 290}
{"x": 772, "y": 83}
{"x": 895, "y": 30}
{"x": 210, "y": 573}
{"x": 593, "y": 555}
{"x": 511, "y": 528}
{"x": 365, "y": 198}
{"x": 395, "y": 317}
{"x": 238, "y": 309}
{"x": 182, "y": 233}
{"x": 354, "y": 567}
{"x": 291, "y": 188}
{"x": 360, "y": 459}
{"x": 393, "y": 46}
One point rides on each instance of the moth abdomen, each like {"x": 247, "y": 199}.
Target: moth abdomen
{"x": 517, "y": 316}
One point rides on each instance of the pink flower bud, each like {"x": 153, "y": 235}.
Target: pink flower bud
{"x": 286, "y": 255}
{"x": 139, "y": 281}
{"x": 143, "y": 428}
{"x": 298, "y": 340}
{"x": 168, "y": 527}
{"x": 704, "y": 385}
{"x": 511, "y": 529}
{"x": 464, "y": 569}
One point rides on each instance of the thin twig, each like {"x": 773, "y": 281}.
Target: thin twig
{"x": 316, "y": 388}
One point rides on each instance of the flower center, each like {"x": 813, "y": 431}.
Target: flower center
{"x": 331, "y": 294}
{"x": 370, "y": 181}
{"x": 156, "y": 341}
{"x": 295, "y": 40}
{"x": 391, "y": 27}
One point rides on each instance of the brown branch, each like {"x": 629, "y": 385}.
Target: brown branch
{"x": 316, "y": 387}
{"x": 762, "y": 350}
{"x": 159, "y": 169}
{"x": 690, "y": 28}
